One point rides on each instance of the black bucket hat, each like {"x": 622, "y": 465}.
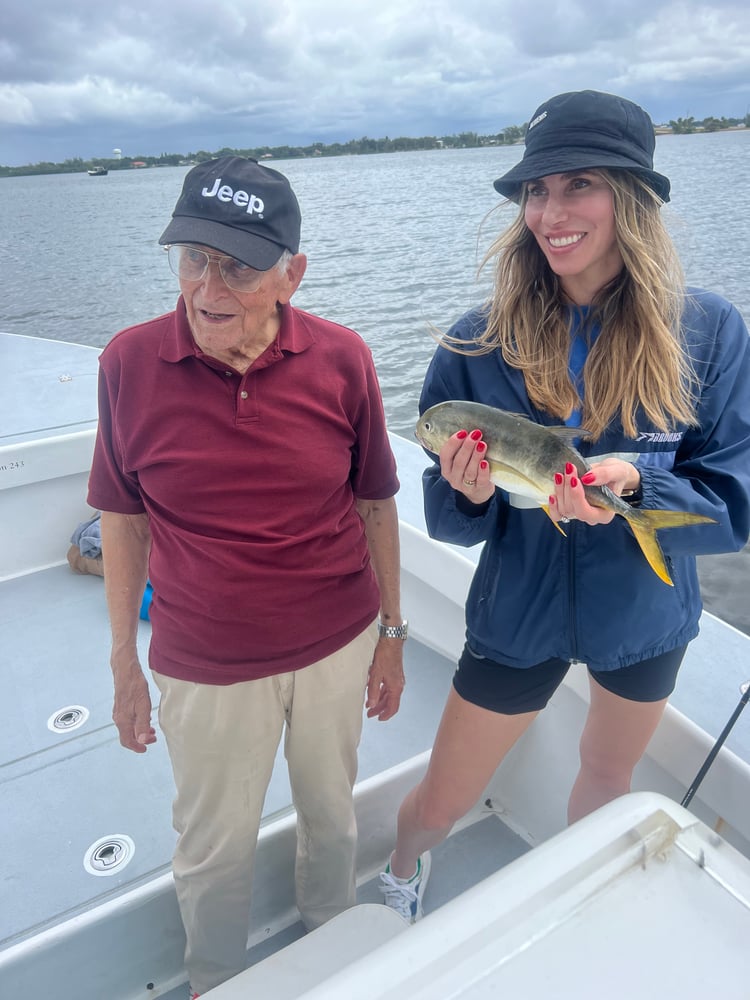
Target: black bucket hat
{"x": 237, "y": 206}
{"x": 584, "y": 129}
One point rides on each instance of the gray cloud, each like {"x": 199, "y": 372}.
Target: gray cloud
{"x": 181, "y": 75}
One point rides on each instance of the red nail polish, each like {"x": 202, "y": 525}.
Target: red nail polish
{"x": 552, "y": 501}
{"x": 569, "y": 469}
{"x": 481, "y": 447}
{"x": 475, "y": 435}
{"x": 461, "y": 435}
{"x": 484, "y": 465}
{"x": 558, "y": 479}
{"x": 573, "y": 482}
{"x": 588, "y": 478}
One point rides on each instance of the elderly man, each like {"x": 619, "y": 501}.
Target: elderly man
{"x": 242, "y": 464}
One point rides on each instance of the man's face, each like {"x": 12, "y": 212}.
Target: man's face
{"x": 224, "y": 321}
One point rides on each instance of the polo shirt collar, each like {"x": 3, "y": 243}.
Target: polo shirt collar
{"x": 294, "y": 336}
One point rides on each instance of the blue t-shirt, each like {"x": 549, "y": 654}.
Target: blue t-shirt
{"x": 582, "y": 337}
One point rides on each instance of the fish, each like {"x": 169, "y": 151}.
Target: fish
{"x": 524, "y": 456}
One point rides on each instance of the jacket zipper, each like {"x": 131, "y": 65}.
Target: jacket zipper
{"x": 571, "y": 528}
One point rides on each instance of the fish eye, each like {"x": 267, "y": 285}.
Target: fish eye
{"x": 427, "y": 425}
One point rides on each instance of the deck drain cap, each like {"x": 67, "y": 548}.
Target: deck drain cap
{"x": 67, "y": 719}
{"x": 109, "y": 855}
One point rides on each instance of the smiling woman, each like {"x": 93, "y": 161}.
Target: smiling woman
{"x": 592, "y": 237}
{"x": 571, "y": 216}
{"x": 588, "y": 323}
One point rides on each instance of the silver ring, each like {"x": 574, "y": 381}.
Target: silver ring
{"x": 564, "y": 520}
{"x": 470, "y": 482}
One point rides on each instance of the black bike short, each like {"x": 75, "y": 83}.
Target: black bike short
{"x": 515, "y": 690}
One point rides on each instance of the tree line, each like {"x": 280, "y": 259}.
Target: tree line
{"x": 685, "y": 126}
{"x": 508, "y": 136}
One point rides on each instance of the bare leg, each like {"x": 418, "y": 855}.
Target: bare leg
{"x": 469, "y": 746}
{"x": 615, "y": 736}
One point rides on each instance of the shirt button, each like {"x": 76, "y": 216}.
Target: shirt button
{"x": 243, "y": 394}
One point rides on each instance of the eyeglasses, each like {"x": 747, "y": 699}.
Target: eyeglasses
{"x": 191, "y": 264}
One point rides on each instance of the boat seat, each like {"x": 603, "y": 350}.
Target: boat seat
{"x": 315, "y": 957}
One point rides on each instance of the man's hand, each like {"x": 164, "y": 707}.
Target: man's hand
{"x": 385, "y": 681}
{"x": 132, "y": 707}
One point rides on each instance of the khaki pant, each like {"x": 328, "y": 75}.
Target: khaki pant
{"x": 222, "y": 742}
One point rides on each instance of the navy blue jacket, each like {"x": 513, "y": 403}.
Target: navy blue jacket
{"x": 592, "y": 596}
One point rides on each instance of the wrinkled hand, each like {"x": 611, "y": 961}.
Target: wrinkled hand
{"x": 569, "y": 499}
{"x": 385, "y": 680}
{"x": 132, "y": 707}
{"x": 463, "y": 465}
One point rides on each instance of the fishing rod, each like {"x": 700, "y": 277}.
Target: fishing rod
{"x": 745, "y": 689}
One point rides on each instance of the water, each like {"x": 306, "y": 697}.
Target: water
{"x": 393, "y": 243}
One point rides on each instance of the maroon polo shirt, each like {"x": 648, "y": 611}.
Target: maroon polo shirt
{"x": 259, "y": 560}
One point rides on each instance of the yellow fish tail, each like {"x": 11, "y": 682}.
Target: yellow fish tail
{"x": 644, "y": 525}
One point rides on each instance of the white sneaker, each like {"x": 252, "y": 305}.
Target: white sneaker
{"x": 404, "y": 895}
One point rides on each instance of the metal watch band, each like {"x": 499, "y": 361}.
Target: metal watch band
{"x": 393, "y": 631}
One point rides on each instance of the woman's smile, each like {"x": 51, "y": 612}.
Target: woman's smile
{"x": 572, "y": 219}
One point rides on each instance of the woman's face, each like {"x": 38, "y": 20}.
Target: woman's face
{"x": 572, "y": 218}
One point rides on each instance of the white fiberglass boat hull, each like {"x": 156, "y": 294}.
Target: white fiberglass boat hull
{"x": 92, "y": 938}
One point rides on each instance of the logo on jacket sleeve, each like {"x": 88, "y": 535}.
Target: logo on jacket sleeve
{"x": 656, "y": 437}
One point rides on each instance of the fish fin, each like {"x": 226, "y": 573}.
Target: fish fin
{"x": 500, "y": 473}
{"x": 568, "y": 434}
{"x": 644, "y": 525}
{"x": 545, "y": 508}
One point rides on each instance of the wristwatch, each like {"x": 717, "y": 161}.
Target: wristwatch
{"x": 393, "y": 631}
{"x": 633, "y": 497}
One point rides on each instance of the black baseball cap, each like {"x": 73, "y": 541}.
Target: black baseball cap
{"x": 583, "y": 129}
{"x": 235, "y": 205}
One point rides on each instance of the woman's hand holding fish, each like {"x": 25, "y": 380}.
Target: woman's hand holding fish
{"x": 463, "y": 465}
{"x": 621, "y": 477}
{"x": 569, "y": 500}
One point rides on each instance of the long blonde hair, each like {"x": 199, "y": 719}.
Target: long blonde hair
{"x": 638, "y": 358}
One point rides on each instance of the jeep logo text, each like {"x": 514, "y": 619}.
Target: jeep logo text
{"x": 242, "y": 199}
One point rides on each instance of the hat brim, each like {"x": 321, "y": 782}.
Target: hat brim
{"x": 249, "y": 248}
{"x": 561, "y": 161}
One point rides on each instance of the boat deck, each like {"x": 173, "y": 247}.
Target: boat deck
{"x": 67, "y": 789}
{"x": 70, "y": 788}
{"x": 459, "y": 863}
{"x": 87, "y": 907}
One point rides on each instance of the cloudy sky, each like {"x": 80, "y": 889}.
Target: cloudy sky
{"x": 80, "y": 78}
